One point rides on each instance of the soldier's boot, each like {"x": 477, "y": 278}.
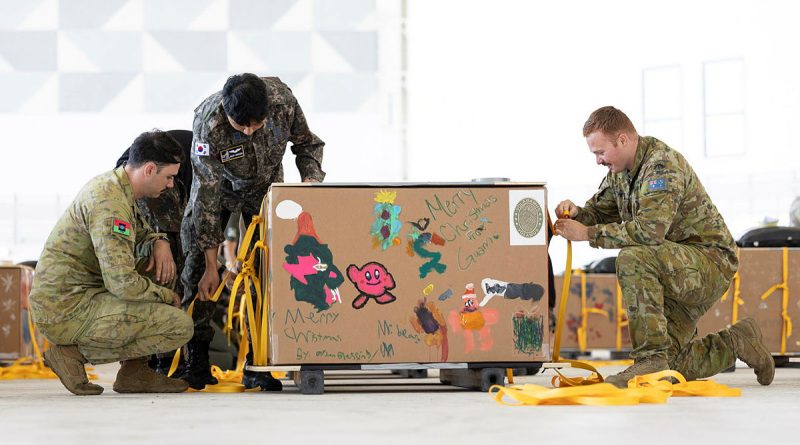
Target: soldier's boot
{"x": 749, "y": 348}
{"x": 135, "y": 376}
{"x": 264, "y": 380}
{"x": 198, "y": 368}
{"x": 643, "y": 366}
{"x": 66, "y": 361}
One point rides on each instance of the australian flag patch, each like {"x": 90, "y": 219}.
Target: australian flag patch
{"x": 656, "y": 184}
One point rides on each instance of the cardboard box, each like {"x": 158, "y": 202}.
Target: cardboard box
{"x": 364, "y": 274}
{"x": 599, "y": 311}
{"x": 15, "y": 337}
{"x": 760, "y": 269}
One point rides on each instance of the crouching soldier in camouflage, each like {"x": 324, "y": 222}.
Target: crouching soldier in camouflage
{"x": 240, "y": 136}
{"x": 89, "y": 296}
{"x": 677, "y": 256}
{"x": 164, "y": 213}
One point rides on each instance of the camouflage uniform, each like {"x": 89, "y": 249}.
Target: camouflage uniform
{"x": 165, "y": 213}
{"x": 677, "y": 257}
{"x": 88, "y": 289}
{"x": 235, "y": 174}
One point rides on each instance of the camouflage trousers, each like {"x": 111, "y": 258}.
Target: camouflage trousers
{"x": 110, "y": 329}
{"x": 193, "y": 269}
{"x": 666, "y": 289}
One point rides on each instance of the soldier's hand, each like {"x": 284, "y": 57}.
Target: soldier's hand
{"x": 572, "y": 230}
{"x": 566, "y": 209}
{"x": 162, "y": 260}
{"x": 208, "y": 284}
{"x": 310, "y": 180}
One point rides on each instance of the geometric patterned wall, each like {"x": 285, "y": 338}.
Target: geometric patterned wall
{"x": 139, "y": 64}
{"x": 166, "y": 55}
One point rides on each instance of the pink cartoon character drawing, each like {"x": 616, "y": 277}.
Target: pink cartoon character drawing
{"x": 472, "y": 318}
{"x": 373, "y": 281}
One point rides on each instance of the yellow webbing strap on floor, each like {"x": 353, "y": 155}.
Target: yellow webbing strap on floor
{"x": 603, "y": 394}
{"x": 786, "y": 327}
{"x": 33, "y": 367}
{"x": 706, "y": 388}
{"x": 650, "y": 388}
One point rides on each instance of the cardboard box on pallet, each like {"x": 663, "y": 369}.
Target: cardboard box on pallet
{"x": 600, "y": 312}
{"x": 362, "y": 274}
{"x": 759, "y": 270}
{"x": 15, "y": 337}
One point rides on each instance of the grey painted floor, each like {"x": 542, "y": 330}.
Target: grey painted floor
{"x": 387, "y": 410}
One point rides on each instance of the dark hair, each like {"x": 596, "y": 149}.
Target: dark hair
{"x": 244, "y": 98}
{"x": 155, "y": 146}
{"x": 608, "y": 120}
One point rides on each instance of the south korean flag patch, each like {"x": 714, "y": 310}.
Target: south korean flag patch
{"x": 201, "y": 149}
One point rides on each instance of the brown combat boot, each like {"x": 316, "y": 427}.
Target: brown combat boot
{"x": 135, "y": 376}
{"x": 67, "y": 362}
{"x": 749, "y": 347}
{"x": 643, "y": 366}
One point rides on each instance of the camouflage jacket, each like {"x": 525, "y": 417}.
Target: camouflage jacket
{"x": 92, "y": 249}
{"x": 233, "y": 170}
{"x": 659, "y": 199}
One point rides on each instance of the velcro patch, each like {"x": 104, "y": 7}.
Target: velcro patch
{"x": 121, "y": 227}
{"x": 232, "y": 153}
{"x": 656, "y": 184}
{"x": 201, "y": 149}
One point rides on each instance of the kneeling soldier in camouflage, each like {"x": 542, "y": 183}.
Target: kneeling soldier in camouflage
{"x": 90, "y": 297}
{"x": 677, "y": 256}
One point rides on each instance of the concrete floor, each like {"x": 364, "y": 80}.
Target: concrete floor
{"x": 388, "y": 410}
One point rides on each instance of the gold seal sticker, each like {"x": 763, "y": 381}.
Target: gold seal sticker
{"x": 528, "y": 217}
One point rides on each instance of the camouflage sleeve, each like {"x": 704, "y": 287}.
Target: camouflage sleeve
{"x": 206, "y": 195}
{"x": 656, "y": 204}
{"x": 307, "y": 147}
{"x": 600, "y": 208}
{"x": 114, "y": 248}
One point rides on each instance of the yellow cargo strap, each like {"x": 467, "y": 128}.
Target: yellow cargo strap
{"x": 256, "y": 311}
{"x": 561, "y": 380}
{"x": 33, "y": 367}
{"x": 786, "y": 328}
{"x": 622, "y": 319}
{"x": 583, "y": 329}
{"x": 736, "y": 299}
{"x": 650, "y": 388}
{"x": 737, "y": 295}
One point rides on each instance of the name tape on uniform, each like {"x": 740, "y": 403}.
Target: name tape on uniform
{"x": 232, "y": 153}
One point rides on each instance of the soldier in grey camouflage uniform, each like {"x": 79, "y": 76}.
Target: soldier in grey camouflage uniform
{"x": 677, "y": 256}
{"x": 164, "y": 213}
{"x": 240, "y": 136}
{"x": 90, "y": 297}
